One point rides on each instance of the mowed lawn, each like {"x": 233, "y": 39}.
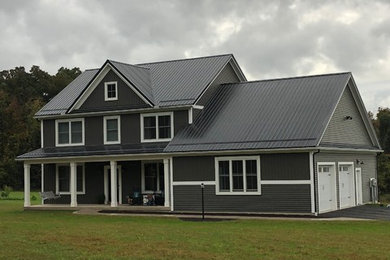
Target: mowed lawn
{"x": 56, "y": 235}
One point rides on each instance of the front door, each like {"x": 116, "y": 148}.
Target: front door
{"x": 346, "y": 186}
{"x": 359, "y": 186}
{"x": 107, "y": 184}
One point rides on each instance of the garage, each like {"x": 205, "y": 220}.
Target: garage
{"x": 327, "y": 187}
{"x": 346, "y": 185}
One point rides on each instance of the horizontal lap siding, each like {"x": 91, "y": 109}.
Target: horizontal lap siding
{"x": 274, "y": 198}
{"x": 368, "y": 168}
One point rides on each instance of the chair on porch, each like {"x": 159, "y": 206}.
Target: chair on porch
{"x": 135, "y": 199}
{"x": 49, "y": 195}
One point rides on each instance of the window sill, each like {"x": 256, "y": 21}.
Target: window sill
{"x": 68, "y": 193}
{"x": 65, "y": 145}
{"x": 108, "y": 143}
{"x": 156, "y": 140}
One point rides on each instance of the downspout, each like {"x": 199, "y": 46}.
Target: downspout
{"x": 314, "y": 182}
{"x": 376, "y": 177}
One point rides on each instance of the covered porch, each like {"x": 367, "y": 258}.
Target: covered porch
{"x": 120, "y": 182}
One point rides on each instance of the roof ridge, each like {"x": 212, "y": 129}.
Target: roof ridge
{"x": 285, "y": 78}
{"x": 91, "y": 69}
{"x": 128, "y": 64}
{"x": 195, "y": 58}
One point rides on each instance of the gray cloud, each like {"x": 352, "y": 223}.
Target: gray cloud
{"x": 268, "y": 38}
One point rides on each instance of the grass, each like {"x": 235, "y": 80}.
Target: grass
{"x": 63, "y": 235}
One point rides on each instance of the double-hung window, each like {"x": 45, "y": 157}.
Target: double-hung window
{"x": 237, "y": 175}
{"x": 153, "y": 177}
{"x": 112, "y": 129}
{"x": 110, "y": 91}
{"x": 70, "y": 132}
{"x": 63, "y": 179}
{"x": 157, "y": 127}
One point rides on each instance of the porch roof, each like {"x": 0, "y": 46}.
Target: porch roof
{"x": 55, "y": 152}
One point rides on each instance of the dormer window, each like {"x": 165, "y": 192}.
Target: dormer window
{"x": 110, "y": 91}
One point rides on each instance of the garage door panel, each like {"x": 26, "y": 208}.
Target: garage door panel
{"x": 346, "y": 186}
{"x": 327, "y": 188}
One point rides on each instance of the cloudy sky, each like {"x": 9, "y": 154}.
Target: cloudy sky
{"x": 268, "y": 38}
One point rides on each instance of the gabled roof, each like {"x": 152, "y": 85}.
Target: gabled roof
{"x": 166, "y": 83}
{"x": 267, "y": 114}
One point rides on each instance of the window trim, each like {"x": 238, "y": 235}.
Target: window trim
{"x": 159, "y": 184}
{"x": 105, "y": 129}
{"x": 58, "y": 180}
{"x": 106, "y": 98}
{"x": 237, "y": 158}
{"x": 70, "y": 131}
{"x": 156, "y": 115}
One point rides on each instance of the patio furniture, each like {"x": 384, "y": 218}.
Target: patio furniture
{"x": 49, "y": 195}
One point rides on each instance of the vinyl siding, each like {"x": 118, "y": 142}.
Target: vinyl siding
{"x": 350, "y": 132}
{"x": 227, "y": 75}
{"x": 49, "y": 133}
{"x": 274, "y": 198}
{"x": 369, "y": 169}
{"x": 127, "y": 98}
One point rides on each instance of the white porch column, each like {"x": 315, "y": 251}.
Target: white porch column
{"x": 166, "y": 182}
{"x": 27, "y": 202}
{"x": 42, "y": 180}
{"x": 73, "y": 184}
{"x": 105, "y": 185}
{"x": 114, "y": 185}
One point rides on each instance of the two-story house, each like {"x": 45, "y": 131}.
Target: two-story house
{"x": 290, "y": 145}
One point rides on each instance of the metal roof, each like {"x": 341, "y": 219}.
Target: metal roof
{"x": 278, "y": 113}
{"x": 63, "y": 100}
{"x": 94, "y": 150}
{"x": 165, "y": 83}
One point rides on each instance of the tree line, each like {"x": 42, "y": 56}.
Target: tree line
{"x": 23, "y": 93}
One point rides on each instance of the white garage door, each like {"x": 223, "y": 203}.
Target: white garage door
{"x": 346, "y": 186}
{"x": 327, "y": 188}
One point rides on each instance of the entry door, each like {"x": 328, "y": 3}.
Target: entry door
{"x": 327, "y": 188}
{"x": 107, "y": 184}
{"x": 346, "y": 186}
{"x": 359, "y": 186}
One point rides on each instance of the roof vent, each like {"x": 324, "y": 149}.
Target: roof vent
{"x": 348, "y": 117}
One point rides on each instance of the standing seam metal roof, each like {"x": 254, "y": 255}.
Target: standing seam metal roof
{"x": 280, "y": 113}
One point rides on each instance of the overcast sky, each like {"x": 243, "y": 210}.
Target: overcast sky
{"x": 268, "y": 38}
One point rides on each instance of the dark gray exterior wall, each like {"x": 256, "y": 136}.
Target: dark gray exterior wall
{"x": 369, "y": 168}
{"x": 273, "y": 198}
{"x": 49, "y": 133}
{"x": 180, "y": 120}
{"x": 341, "y": 131}
{"x": 131, "y": 178}
{"x": 93, "y": 130}
{"x": 227, "y": 75}
{"x": 130, "y": 129}
{"x": 127, "y": 98}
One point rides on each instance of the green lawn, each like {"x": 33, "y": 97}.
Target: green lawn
{"x": 54, "y": 235}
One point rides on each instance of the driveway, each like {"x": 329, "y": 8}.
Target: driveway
{"x": 362, "y": 212}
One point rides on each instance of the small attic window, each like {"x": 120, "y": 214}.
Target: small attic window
{"x": 110, "y": 91}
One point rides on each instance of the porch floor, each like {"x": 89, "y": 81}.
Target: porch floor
{"x": 99, "y": 207}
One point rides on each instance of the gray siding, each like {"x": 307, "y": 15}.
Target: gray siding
{"x": 130, "y": 129}
{"x": 288, "y": 166}
{"x": 369, "y": 168}
{"x": 227, "y": 75}
{"x": 341, "y": 131}
{"x": 180, "y": 120}
{"x": 93, "y": 130}
{"x": 131, "y": 178}
{"x": 49, "y": 133}
{"x": 274, "y": 198}
{"x": 193, "y": 168}
{"x": 127, "y": 98}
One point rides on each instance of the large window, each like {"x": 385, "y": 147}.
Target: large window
{"x": 156, "y": 127}
{"x": 237, "y": 175}
{"x": 112, "y": 130}
{"x": 153, "y": 177}
{"x": 63, "y": 179}
{"x": 110, "y": 91}
{"x": 70, "y": 132}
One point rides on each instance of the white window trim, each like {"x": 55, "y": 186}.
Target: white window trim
{"x": 57, "y": 179}
{"x": 70, "y": 131}
{"x": 105, "y": 129}
{"x": 106, "y": 98}
{"x": 156, "y": 115}
{"x": 237, "y": 158}
{"x": 143, "y": 178}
